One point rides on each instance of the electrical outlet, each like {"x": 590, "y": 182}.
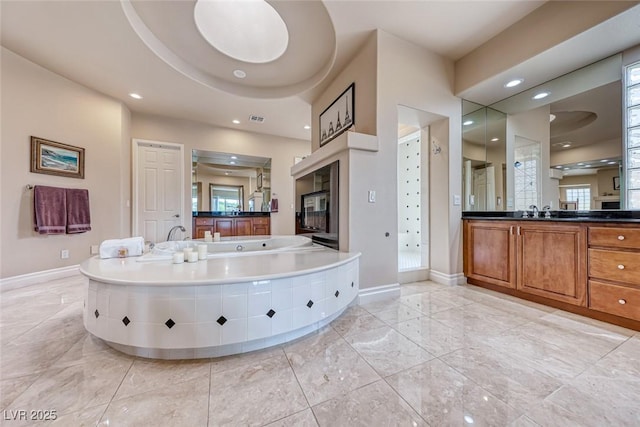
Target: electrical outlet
{"x": 94, "y": 249}
{"x": 64, "y": 254}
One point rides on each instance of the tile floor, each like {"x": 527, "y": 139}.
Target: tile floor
{"x": 437, "y": 356}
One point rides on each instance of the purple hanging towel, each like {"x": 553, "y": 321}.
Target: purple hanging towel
{"x": 50, "y": 209}
{"x": 78, "y": 213}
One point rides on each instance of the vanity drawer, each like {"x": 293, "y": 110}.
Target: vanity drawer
{"x": 616, "y": 237}
{"x": 618, "y": 266}
{"x": 204, "y": 221}
{"x": 613, "y": 299}
{"x": 261, "y": 220}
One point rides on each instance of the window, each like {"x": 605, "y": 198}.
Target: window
{"x": 632, "y": 141}
{"x": 226, "y": 198}
{"x": 526, "y": 173}
{"x": 582, "y": 195}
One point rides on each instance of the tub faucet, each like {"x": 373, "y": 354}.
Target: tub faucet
{"x": 534, "y": 210}
{"x": 173, "y": 231}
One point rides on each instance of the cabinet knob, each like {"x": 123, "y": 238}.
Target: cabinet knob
{"x": 620, "y": 267}
{"x": 620, "y": 237}
{"x": 622, "y": 301}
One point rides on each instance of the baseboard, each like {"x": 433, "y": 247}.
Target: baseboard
{"x": 378, "y": 293}
{"x": 410, "y": 276}
{"x": 447, "y": 279}
{"x": 28, "y": 279}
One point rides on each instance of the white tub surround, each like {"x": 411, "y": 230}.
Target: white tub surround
{"x": 218, "y": 306}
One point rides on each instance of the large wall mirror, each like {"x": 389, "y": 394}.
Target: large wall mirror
{"x": 558, "y": 144}
{"x": 229, "y": 182}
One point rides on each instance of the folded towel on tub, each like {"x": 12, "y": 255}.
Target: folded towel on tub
{"x": 78, "y": 212}
{"x": 120, "y": 248}
{"x": 49, "y": 209}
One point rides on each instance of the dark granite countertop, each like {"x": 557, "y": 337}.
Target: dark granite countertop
{"x": 209, "y": 214}
{"x": 564, "y": 216}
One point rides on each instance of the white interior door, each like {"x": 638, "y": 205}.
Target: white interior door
{"x": 158, "y": 198}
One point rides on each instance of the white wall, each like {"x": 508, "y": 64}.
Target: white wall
{"x": 194, "y": 135}
{"x": 415, "y": 77}
{"x": 38, "y": 102}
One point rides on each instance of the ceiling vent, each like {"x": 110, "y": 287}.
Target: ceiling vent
{"x": 256, "y": 119}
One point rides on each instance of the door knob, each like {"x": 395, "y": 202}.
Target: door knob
{"x": 620, "y": 237}
{"x": 176, "y": 216}
{"x": 620, "y": 267}
{"x": 622, "y": 301}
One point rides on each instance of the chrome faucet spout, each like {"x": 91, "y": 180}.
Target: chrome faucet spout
{"x": 535, "y": 211}
{"x": 172, "y": 232}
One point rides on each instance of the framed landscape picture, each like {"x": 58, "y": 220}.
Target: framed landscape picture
{"x": 56, "y": 158}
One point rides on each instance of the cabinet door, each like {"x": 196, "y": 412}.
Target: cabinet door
{"x": 489, "y": 252}
{"x": 224, "y": 226}
{"x": 198, "y": 231}
{"x": 552, "y": 261}
{"x": 244, "y": 226}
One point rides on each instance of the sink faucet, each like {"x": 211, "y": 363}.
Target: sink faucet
{"x": 547, "y": 211}
{"x": 173, "y": 231}
{"x": 535, "y": 211}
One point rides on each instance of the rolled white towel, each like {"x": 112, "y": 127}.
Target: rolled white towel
{"x": 114, "y": 248}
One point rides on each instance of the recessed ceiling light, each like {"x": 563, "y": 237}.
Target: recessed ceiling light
{"x": 567, "y": 169}
{"x": 468, "y": 122}
{"x": 612, "y": 163}
{"x": 587, "y": 166}
{"x": 541, "y": 95}
{"x": 135, "y": 95}
{"x": 234, "y": 157}
{"x": 232, "y": 162}
{"x": 566, "y": 145}
{"x": 513, "y": 83}
{"x": 580, "y": 164}
{"x": 236, "y": 121}
{"x": 226, "y": 173}
{"x": 239, "y": 74}
{"x": 307, "y": 127}
{"x": 559, "y": 167}
{"x": 495, "y": 139}
{"x": 604, "y": 160}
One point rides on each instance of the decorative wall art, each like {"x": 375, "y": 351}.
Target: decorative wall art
{"x": 339, "y": 116}
{"x": 56, "y": 158}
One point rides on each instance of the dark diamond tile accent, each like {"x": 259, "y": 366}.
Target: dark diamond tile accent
{"x": 170, "y": 323}
{"x": 270, "y": 313}
{"x": 337, "y": 293}
{"x": 222, "y": 320}
{"x": 96, "y": 313}
{"x": 310, "y": 303}
{"x": 126, "y": 321}
{"x": 352, "y": 284}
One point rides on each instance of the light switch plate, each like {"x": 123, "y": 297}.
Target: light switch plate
{"x": 372, "y": 196}
{"x": 456, "y": 200}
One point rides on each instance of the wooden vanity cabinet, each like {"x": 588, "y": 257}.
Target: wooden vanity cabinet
{"x": 547, "y": 260}
{"x": 551, "y": 261}
{"x": 490, "y": 252}
{"x": 614, "y": 270}
{"x": 231, "y": 226}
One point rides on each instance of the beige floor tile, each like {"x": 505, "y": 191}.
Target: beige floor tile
{"x": 400, "y": 313}
{"x": 504, "y": 376}
{"x": 184, "y": 404}
{"x": 326, "y": 367}
{"x": 75, "y": 387}
{"x": 444, "y": 397}
{"x": 372, "y": 405}
{"x": 221, "y": 364}
{"x": 349, "y": 325}
{"x": 11, "y": 388}
{"x": 85, "y": 418}
{"x": 434, "y": 336}
{"x": 147, "y": 375}
{"x": 255, "y": 394}
{"x": 33, "y": 357}
{"x": 301, "y": 419}
{"x": 387, "y": 351}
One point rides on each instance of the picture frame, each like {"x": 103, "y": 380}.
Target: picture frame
{"x": 259, "y": 182}
{"x": 339, "y": 116}
{"x": 616, "y": 183}
{"x": 55, "y": 158}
